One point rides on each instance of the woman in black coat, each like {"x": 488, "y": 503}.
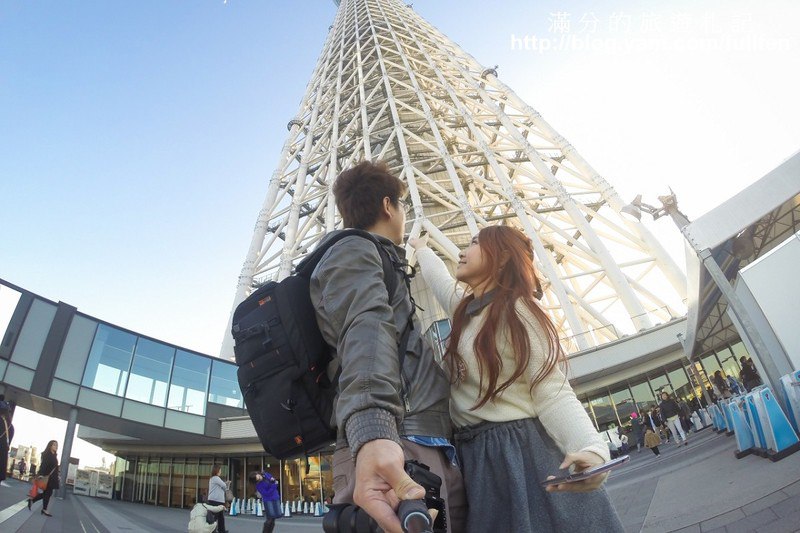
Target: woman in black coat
{"x": 48, "y": 466}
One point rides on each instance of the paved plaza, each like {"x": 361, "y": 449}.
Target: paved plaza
{"x": 700, "y": 488}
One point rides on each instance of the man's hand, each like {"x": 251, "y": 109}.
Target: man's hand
{"x": 381, "y": 482}
{"x": 582, "y": 461}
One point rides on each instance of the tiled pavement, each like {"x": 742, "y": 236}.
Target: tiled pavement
{"x": 697, "y": 488}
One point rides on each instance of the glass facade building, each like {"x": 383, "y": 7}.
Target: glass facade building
{"x": 611, "y": 407}
{"x": 150, "y": 372}
{"x": 183, "y": 481}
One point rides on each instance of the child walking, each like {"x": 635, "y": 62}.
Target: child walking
{"x": 652, "y": 440}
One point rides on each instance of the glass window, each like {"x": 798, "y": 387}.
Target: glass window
{"x": 224, "y": 386}
{"x": 739, "y": 351}
{"x": 603, "y": 412}
{"x": 176, "y": 493}
{"x": 109, "y": 360}
{"x": 643, "y": 396}
{"x": 252, "y": 464}
{"x": 163, "y": 481}
{"x": 187, "y": 391}
{"x": 312, "y": 482}
{"x": 129, "y": 481}
{"x": 710, "y": 364}
{"x": 190, "y": 483}
{"x": 120, "y": 467}
{"x": 659, "y": 383}
{"x": 326, "y": 473}
{"x": 238, "y": 476}
{"x": 680, "y": 384}
{"x": 204, "y": 474}
{"x": 623, "y": 402}
{"x": 588, "y": 409}
{"x": 149, "y": 377}
{"x": 729, "y": 362}
{"x": 9, "y": 298}
{"x": 291, "y": 481}
{"x": 700, "y": 381}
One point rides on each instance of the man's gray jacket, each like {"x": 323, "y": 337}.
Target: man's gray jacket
{"x": 356, "y": 318}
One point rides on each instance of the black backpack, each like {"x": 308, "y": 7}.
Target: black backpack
{"x": 283, "y": 359}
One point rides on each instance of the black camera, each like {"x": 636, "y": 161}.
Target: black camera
{"x": 413, "y": 514}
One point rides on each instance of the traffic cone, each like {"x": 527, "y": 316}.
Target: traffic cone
{"x": 287, "y": 512}
{"x": 232, "y": 511}
{"x": 305, "y": 507}
{"x": 259, "y": 508}
{"x": 317, "y": 509}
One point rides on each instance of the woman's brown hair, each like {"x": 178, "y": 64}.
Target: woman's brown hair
{"x": 215, "y": 470}
{"x": 508, "y": 258}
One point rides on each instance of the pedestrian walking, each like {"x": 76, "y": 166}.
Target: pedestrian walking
{"x": 652, "y": 441}
{"x": 48, "y": 467}
{"x": 637, "y": 431}
{"x": 670, "y": 412}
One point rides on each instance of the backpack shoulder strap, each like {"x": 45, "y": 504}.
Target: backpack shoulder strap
{"x": 308, "y": 264}
{"x": 306, "y": 267}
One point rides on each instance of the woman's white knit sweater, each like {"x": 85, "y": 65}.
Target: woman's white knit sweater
{"x": 552, "y": 400}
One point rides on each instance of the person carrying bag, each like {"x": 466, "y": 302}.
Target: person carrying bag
{"x": 49, "y": 483}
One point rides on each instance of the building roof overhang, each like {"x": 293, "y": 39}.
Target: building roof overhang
{"x": 736, "y": 233}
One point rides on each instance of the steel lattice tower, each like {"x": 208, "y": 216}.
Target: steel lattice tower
{"x": 390, "y": 86}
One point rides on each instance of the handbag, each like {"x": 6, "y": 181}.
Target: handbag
{"x": 34, "y": 492}
{"x": 39, "y": 484}
{"x": 228, "y": 493}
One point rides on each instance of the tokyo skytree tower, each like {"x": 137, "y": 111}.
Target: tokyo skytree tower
{"x": 389, "y": 86}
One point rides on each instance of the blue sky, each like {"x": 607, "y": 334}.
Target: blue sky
{"x": 137, "y": 138}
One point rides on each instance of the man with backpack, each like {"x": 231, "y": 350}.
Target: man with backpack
{"x": 392, "y": 402}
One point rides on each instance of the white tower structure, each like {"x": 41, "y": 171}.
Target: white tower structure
{"x": 389, "y": 86}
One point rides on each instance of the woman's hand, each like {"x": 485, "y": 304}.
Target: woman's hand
{"x": 582, "y": 461}
{"x": 418, "y": 242}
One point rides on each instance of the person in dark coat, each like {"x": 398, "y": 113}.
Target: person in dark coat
{"x": 749, "y": 374}
{"x": 637, "y": 431}
{"x": 670, "y": 414}
{"x": 48, "y": 466}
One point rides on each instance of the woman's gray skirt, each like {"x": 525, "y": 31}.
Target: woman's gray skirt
{"x": 503, "y": 464}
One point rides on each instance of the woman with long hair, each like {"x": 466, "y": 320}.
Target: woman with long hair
{"x": 216, "y": 496}
{"x": 48, "y": 466}
{"x": 517, "y": 419}
{"x": 267, "y": 487}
